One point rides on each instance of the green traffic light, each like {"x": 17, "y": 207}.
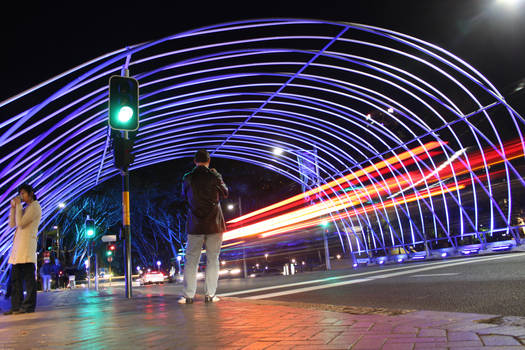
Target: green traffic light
{"x": 109, "y": 253}
{"x": 125, "y": 114}
{"x": 90, "y": 232}
{"x": 123, "y": 106}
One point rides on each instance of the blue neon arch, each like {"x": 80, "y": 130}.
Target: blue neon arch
{"x": 270, "y": 86}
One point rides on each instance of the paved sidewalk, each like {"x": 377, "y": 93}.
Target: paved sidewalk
{"x": 83, "y": 319}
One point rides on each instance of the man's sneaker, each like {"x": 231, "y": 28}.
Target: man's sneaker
{"x": 24, "y": 311}
{"x": 11, "y": 312}
{"x": 184, "y": 300}
{"x": 213, "y": 299}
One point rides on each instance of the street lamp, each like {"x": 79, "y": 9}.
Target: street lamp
{"x": 61, "y": 205}
{"x": 231, "y": 207}
{"x": 278, "y": 151}
{"x": 158, "y": 265}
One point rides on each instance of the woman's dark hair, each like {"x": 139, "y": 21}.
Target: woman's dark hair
{"x": 28, "y": 188}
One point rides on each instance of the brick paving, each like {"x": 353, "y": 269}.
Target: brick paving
{"x": 82, "y": 319}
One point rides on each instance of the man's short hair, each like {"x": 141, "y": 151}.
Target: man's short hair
{"x": 201, "y": 156}
{"x": 28, "y": 188}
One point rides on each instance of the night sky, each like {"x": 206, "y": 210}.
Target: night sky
{"x": 42, "y": 39}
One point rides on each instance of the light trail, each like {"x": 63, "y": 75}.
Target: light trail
{"x": 353, "y": 176}
{"x": 315, "y": 214}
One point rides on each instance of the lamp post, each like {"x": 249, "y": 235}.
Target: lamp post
{"x": 57, "y": 229}
{"x": 309, "y": 172}
{"x": 245, "y": 268}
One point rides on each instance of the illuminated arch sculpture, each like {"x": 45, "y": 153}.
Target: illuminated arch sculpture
{"x": 354, "y": 95}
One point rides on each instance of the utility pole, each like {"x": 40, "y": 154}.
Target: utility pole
{"x": 96, "y": 271}
{"x": 124, "y": 116}
{"x": 326, "y": 251}
{"x": 127, "y": 227}
{"x": 244, "y": 265}
{"x": 89, "y": 265}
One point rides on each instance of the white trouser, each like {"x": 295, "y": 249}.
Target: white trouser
{"x": 193, "y": 255}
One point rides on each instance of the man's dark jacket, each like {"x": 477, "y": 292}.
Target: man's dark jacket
{"x": 203, "y": 188}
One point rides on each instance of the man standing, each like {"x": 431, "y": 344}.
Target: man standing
{"x": 203, "y": 188}
{"x": 23, "y": 253}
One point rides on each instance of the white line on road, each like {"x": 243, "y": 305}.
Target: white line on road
{"x": 371, "y": 278}
{"x": 335, "y": 278}
{"x": 437, "y": 274}
{"x": 327, "y": 279}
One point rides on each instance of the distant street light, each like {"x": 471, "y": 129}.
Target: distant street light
{"x": 391, "y": 110}
{"x": 230, "y": 206}
{"x": 508, "y": 2}
{"x": 158, "y": 265}
{"x": 278, "y": 151}
{"x": 61, "y": 205}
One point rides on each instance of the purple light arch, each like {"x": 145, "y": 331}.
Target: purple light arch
{"x": 241, "y": 97}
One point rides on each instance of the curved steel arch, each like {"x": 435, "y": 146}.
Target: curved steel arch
{"x": 357, "y": 94}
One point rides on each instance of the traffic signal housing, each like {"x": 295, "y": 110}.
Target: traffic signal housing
{"x": 90, "y": 228}
{"x": 122, "y": 152}
{"x": 123, "y": 103}
{"x": 110, "y": 249}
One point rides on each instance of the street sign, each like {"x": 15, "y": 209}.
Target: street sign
{"x": 109, "y": 238}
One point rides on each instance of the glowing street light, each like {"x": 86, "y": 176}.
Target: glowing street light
{"x": 158, "y": 264}
{"x": 61, "y": 205}
{"x": 278, "y": 151}
{"x": 230, "y": 206}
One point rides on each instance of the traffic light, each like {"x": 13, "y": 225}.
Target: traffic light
{"x": 90, "y": 228}
{"x": 122, "y": 155}
{"x": 110, "y": 249}
{"x": 123, "y": 103}
{"x": 49, "y": 243}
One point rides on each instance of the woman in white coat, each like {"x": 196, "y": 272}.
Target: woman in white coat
{"x": 23, "y": 253}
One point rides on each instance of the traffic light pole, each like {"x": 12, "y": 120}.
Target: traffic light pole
{"x": 96, "y": 271}
{"x": 127, "y": 227}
